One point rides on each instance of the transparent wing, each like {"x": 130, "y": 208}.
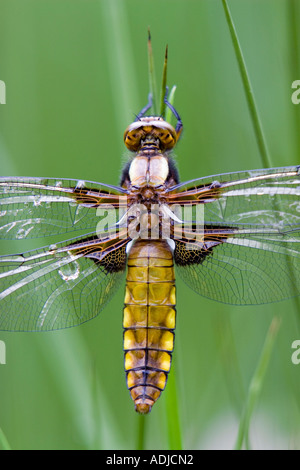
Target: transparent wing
{"x": 249, "y": 267}
{"x": 36, "y": 207}
{"x": 59, "y": 286}
{"x": 269, "y": 196}
{"x": 247, "y": 250}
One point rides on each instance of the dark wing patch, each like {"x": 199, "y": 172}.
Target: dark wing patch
{"x": 188, "y": 251}
{"x": 184, "y": 256}
{"x": 110, "y": 254}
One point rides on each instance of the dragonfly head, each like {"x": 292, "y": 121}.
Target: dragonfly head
{"x": 150, "y": 129}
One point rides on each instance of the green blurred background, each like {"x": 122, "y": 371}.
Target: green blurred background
{"x": 76, "y": 72}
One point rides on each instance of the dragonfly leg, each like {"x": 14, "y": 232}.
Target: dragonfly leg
{"x": 179, "y": 125}
{"x": 145, "y": 109}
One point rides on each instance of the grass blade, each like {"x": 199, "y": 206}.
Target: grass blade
{"x": 293, "y": 12}
{"x": 258, "y": 129}
{"x": 173, "y": 422}
{"x": 173, "y": 425}
{"x": 4, "y": 445}
{"x": 164, "y": 84}
{"x": 152, "y": 81}
{"x": 141, "y": 433}
{"x": 171, "y": 98}
{"x": 264, "y": 153}
{"x": 267, "y": 163}
{"x": 256, "y": 385}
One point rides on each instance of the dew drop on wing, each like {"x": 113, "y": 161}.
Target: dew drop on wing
{"x": 24, "y": 232}
{"x": 69, "y": 272}
{"x": 52, "y": 249}
{"x": 80, "y": 184}
{"x": 37, "y": 201}
{"x": 21, "y": 234}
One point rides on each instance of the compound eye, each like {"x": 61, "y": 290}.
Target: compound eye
{"x": 132, "y": 140}
{"x": 167, "y": 139}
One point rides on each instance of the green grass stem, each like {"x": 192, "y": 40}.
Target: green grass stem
{"x": 4, "y": 445}
{"x": 151, "y": 71}
{"x": 258, "y": 129}
{"x": 171, "y": 98}
{"x": 173, "y": 424}
{"x": 164, "y": 84}
{"x": 259, "y": 133}
{"x": 173, "y": 421}
{"x": 140, "y": 445}
{"x": 256, "y": 385}
{"x": 267, "y": 162}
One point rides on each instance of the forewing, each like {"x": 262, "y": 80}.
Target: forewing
{"x": 266, "y": 197}
{"x": 35, "y": 207}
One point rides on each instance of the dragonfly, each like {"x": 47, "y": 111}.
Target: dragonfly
{"x": 233, "y": 238}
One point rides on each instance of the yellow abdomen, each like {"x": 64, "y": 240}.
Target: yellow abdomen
{"x": 149, "y": 321}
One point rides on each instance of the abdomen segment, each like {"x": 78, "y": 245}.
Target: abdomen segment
{"x": 149, "y": 321}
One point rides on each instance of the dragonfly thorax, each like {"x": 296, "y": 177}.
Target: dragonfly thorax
{"x": 148, "y": 170}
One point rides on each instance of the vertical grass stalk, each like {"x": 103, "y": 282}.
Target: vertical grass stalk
{"x": 256, "y": 385}
{"x": 140, "y": 445}
{"x": 168, "y": 113}
{"x": 173, "y": 425}
{"x": 152, "y": 81}
{"x": 4, "y": 445}
{"x": 173, "y": 421}
{"x": 259, "y": 134}
{"x": 293, "y": 12}
{"x": 164, "y": 84}
{"x": 264, "y": 153}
